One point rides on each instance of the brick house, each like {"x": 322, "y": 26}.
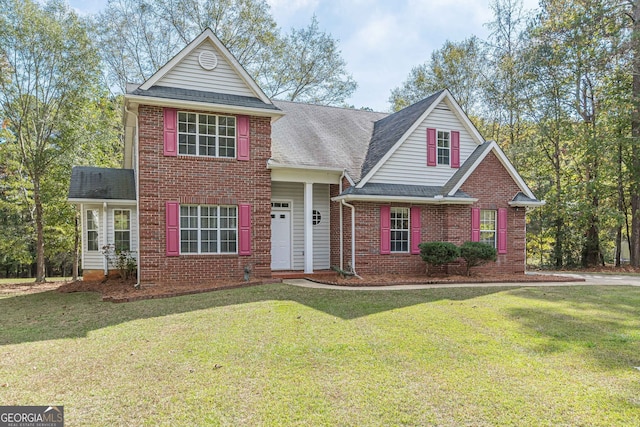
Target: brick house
{"x": 221, "y": 182}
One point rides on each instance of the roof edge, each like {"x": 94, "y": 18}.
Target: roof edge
{"x": 437, "y": 200}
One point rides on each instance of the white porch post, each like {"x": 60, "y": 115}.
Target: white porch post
{"x": 308, "y": 227}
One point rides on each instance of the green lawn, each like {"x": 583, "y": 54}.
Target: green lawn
{"x": 281, "y": 355}
{"x": 32, "y": 280}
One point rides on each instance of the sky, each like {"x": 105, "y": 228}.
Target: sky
{"x": 380, "y": 40}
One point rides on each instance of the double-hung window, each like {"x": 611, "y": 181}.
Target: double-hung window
{"x": 206, "y": 135}
{"x": 92, "y": 230}
{"x": 208, "y": 229}
{"x": 488, "y": 227}
{"x": 122, "y": 230}
{"x": 444, "y": 147}
{"x": 399, "y": 229}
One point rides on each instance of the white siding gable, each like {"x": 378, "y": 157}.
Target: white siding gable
{"x": 188, "y": 74}
{"x": 408, "y": 164}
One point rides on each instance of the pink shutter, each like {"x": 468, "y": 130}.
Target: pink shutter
{"x": 415, "y": 229}
{"x": 431, "y": 147}
{"x": 502, "y": 231}
{"x": 170, "y": 132}
{"x": 242, "y": 123}
{"x": 475, "y": 225}
{"x": 385, "y": 230}
{"x": 172, "y": 215}
{"x": 244, "y": 230}
{"x": 455, "y": 149}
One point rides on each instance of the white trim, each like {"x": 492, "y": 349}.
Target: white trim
{"x": 202, "y": 106}
{"x": 273, "y": 165}
{"x": 98, "y": 201}
{"x": 445, "y": 95}
{"x": 406, "y": 199}
{"x": 207, "y": 34}
{"x": 304, "y": 174}
{"x": 528, "y": 204}
{"x": 505, "y": 162}
{"x": 308, "y": 227}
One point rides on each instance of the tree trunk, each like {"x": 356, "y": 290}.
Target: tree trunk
{"x": 635, "y": 134}
{"x": 39, "y": 220}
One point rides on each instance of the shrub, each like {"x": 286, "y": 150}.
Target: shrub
{"x": 476, "y": 253}
{"x": 438, "y": 253}
{"x": 124, "y": 261}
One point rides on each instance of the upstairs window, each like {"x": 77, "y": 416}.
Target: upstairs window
{"x": 444, "y": 147}
{"x": 206, "y": 135}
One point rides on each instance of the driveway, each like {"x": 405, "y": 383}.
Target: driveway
{"x": 589, "y": 279}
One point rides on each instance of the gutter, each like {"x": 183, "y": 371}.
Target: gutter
{"x": 197, "y": 105}
{"x": 437, "y": 200}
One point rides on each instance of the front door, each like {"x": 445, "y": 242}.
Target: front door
{"x": 281, "y": 240}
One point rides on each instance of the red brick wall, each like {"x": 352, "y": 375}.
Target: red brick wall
{"x": 201, "y": 180}
{"x": 490, "y": 183}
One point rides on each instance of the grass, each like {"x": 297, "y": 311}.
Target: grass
{"x": 281, "y": 355}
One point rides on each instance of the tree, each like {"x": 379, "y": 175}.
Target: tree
{"x": 51, "y": 74}
{"x": 138, "y": 37}
{"x": 309, "y": 68}
{"x": 458, "y": 67}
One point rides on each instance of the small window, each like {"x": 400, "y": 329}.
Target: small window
{"x": 444, "y": 147}
{"x": 122, "y": 230}
{"x": 399, "y": 229}
{"x": 92, "y": 230}
{"x": 488, "y": 227}
{"x": 316, "y": 217}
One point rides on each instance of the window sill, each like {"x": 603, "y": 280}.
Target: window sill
{"x": 206, "y": 158}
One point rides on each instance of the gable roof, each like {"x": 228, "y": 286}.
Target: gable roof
{"x": 321, "y": 136}
{"x": 91, "y": 183}
{"x": 474, "y": 160}
{"x": 390, "y": 133}
{"x": 207, "y": 34}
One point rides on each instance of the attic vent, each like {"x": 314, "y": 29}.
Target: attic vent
{"x": 208, "y": 60}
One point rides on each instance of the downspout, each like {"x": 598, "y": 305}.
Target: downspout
{"x": 136, "y": 175}
{"x": 353, "y": 237}
{"x": 105, "y": 238}
{"x": 341, "y": 226}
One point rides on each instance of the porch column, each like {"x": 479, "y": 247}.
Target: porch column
{"x": 308, "y": 227}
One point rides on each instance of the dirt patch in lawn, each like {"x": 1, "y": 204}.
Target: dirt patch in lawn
{"x": 396, "y": 279}
{"x": 28, "y": 288}
{"x": 119, "y": 290}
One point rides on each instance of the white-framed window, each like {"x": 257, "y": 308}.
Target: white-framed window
{"x": 444, "y": 147}
{"x": 206, "y": 135}
{"x": 488, "y": 227}
{"x": 399, "y": 229}
{"x": 92, "y": 231}
{"x": 208, "y": 229}
{"x": 121, "y": 230}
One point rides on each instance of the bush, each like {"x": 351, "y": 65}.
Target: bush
{"x": 476, "y": 253}
{"x": 438, "y": 253}
{"x": 124, "y": 261}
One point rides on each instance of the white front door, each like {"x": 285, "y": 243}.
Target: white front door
{"x": 281, "y": 240}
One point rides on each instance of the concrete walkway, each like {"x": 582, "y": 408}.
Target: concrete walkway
{"x": 589, "y": 279}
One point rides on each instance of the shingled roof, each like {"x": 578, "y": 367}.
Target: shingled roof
{"x": 102, "y": 184}
{"x": 402, "y": 190}
{"x": 390, "y": 129}
{"x": 201, "y": 96}
{"x": 321, "y": 136}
